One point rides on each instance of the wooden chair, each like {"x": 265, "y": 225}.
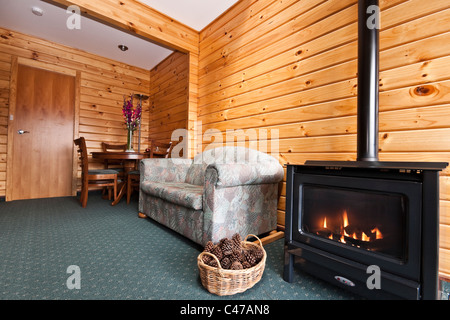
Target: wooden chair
{"x": 93, "y": 178}
{"x": 113, "y": 147}
{"x": 156, "y": 150}
{"x": 114, "y": 164}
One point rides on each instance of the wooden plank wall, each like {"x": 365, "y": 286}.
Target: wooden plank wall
{"x": 169, "y": 92}
{"x": 192, "y": 121}
{"x": 5, "y": 67}
{"x": 103, "y": 84}
{"x": 291, "y": 66}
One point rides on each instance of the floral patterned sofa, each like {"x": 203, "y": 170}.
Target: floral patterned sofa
{"x": 218, "y": 193}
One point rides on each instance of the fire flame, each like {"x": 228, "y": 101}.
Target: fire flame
{"x": 378, "y": 234}
{"x": 345, "y": 218}
{"x": 360, "y": 235}
{"x": 365, "y": 237}
{"x": 345, "y": 225}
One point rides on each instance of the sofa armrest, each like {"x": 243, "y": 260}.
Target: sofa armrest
{"x": 239, "y": 174}
{"x": 164, "y": 169}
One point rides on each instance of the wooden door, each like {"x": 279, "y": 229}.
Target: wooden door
{"x": 43, "y": 134}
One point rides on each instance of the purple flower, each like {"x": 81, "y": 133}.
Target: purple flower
{"x": 132, "y": 116}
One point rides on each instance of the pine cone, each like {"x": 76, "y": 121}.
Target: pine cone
{"x": 236, "y": 265}
{"x": 237, "y": 240}
{"x": 206, "y": 258}
{"x": 258, "y": 253}
{"x": 237, "y": 256}
{"x": 212, "y": 263}
{"x": 227, "y": 246}
{"x": 226, "y": 263}
{"x": 209, "y": 246}
{"x": 217, "y": 251}
{"x": 250, "y": 257}
{"x": 246, "y": 265}
{"x": 236, "y": 249}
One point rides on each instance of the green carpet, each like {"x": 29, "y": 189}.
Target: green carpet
{"x": 120, "y": 257}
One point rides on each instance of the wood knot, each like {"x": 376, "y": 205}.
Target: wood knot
{"x": 424, "y": 90}
{"x": 131, "y": 27}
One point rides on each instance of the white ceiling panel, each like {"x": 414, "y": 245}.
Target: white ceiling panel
{"x": 100, "y": 39}
{"x": 196, "y": 14}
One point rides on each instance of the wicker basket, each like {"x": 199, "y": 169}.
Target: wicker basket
{"x": 225, "y": 282}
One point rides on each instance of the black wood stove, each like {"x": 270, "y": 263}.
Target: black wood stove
{"x": 368, "y": 226}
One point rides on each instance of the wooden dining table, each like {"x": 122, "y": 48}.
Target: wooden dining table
{"x": 129, "y": 160}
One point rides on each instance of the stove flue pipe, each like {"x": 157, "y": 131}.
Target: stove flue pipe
{"x": 368, "y": 72}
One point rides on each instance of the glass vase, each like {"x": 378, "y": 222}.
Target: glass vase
{"x": 129, "y": 141}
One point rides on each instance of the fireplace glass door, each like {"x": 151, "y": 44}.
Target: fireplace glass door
{"x": 368, "y": 220}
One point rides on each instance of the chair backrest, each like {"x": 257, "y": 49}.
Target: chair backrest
{"x": 82, "y": 150}
{"x": 160, "y": 149}
{"x": 113, "y": 147}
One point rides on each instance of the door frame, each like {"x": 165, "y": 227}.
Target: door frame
{"x": 15, "y": 62}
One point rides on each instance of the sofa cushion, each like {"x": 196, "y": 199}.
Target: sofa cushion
{"x": 242, "y": 157}
{"x": 183, "y": 194}
{"x": 196, "y": 174}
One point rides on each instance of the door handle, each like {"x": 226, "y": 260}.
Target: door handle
{"x": 22, "y": 131}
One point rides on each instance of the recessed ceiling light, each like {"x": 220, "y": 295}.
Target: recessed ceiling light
{"x": 37, "y": 11}
{"x": 123, "y": 47}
